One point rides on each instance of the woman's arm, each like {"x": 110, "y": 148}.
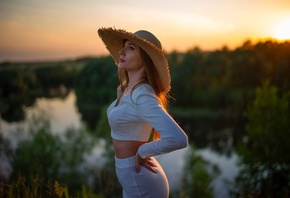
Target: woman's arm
{"x": 172, "y": 137}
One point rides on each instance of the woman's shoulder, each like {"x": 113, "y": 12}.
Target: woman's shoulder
{"x": 143, "y": 90}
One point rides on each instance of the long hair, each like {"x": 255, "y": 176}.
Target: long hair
{"x": 151, "y": 77}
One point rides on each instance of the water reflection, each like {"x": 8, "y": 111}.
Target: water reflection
{"x": 63, "y": 114}
{"x": 228, "y": 166}
{"x": 60, "y": 112}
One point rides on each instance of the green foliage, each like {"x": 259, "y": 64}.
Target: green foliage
{"x": 5, "y": 148}
{"x": 51, "y": 156}
{"x": 14, "y": 92}
{"x": 37, "y": 188}
{"x": 265, "y": 153}
{"x": 198, "y": 176}
{"x": 197, "y": 75}
{"x": 56, "y": 75}
{"x": 40, "y": 150}
{"x": 103, "y": 128}
{"x": 87, "y": 193}
{"x": 56, "y": 159}
{"x": 268, "y": 127}
{"x": 96, "y": 86}
{"x": 22, "y": 83}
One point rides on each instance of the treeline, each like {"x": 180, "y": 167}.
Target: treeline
{"x": 219, "y": 78}
{"x": 22, "y": 83}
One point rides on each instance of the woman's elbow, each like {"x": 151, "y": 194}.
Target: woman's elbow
{"x": 183, "y": 142}
{"x": 180, "y": 142}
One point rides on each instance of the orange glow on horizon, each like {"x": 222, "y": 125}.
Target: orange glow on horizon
{"x": 53, "y": 30}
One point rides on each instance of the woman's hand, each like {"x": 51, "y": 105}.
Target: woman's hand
{"x": 147, "y": 163}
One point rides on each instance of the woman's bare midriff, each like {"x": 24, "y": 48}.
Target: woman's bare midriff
{"x": 126, "y": 148}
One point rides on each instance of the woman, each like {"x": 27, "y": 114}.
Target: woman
{"x": 144, "y": 77}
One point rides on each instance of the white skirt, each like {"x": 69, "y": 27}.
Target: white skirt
{"x": 144, "y": 184}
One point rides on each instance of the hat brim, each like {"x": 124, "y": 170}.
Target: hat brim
{"x": 114, "y": 41}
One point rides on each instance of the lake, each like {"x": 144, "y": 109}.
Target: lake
{"x": 63, "y": 114}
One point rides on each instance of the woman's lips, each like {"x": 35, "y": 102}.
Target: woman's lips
{"x": 121, "y": 60}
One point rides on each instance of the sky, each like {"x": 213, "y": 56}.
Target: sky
{"x": 41, "y": 30}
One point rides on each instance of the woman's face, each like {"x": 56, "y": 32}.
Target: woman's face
{"x": 130, "y": 57}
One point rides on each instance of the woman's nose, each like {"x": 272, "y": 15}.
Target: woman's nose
{"x": 121, "y": 52}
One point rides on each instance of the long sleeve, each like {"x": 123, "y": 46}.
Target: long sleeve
{"x": 172, "y": 137}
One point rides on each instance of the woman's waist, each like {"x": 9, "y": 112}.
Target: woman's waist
{"x": 126, "y": 148}
{"x": 138, "y": 134}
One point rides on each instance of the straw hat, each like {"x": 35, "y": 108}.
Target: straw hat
{"x": 114, "y": 41}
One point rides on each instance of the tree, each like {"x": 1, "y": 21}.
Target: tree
{"x": 96, "y": 86}
{"x": 198, "y": 176}
{"x": 52, "y": 157}
{"x": 265, "y": 154}
{"x": 15, "y": 88}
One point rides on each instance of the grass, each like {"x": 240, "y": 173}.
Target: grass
{"x": 37, "y": 188}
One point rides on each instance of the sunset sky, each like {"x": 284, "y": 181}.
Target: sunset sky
{"x": 34, "y": 30}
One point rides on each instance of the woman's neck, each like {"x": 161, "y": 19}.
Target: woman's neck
{"x": 135, "y": 79}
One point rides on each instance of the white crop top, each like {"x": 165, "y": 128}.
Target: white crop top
{"x": 134, "y": 117}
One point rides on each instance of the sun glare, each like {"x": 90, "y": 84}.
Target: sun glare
{"x": 282, "y": 30}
